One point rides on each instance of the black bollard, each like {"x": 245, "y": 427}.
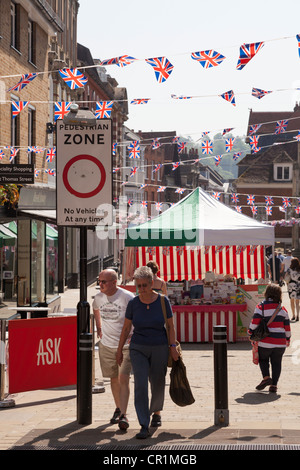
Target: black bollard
{"x": 84, "y": 379}
{"x": 220, "y": 375}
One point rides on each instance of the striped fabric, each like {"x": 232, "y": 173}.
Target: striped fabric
{"x": 184, "y": 263}
{"x": 279, "y": 329}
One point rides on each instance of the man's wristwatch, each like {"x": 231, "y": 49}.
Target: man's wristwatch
{"x": 172, "y": 345}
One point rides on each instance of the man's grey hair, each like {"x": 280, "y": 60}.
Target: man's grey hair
{"x": 143, "y": 273}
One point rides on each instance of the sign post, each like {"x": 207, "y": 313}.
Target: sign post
{"x": 84, "y": 199}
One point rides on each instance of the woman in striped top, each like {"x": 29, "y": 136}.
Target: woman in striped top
{"x": 271, "y": 348}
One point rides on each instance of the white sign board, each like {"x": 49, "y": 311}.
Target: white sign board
{"x": 84, "y": 174}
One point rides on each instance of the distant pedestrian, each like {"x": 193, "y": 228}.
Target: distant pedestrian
{"x": 271, "y": 348}
{"x": 159, "y": 284}
{"x": 275, "y": 277}
{"x": 109, "y": 308}
{"x": 293, "y": 283}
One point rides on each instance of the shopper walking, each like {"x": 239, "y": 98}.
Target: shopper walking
{"x": 159, "y": 284}
{"x": 149, "y": 348}
{"x": 293, "y": 282}
{"x": 271, "y": 348}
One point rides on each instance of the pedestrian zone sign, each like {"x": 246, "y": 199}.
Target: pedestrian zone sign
{"x": 84, "y": 174}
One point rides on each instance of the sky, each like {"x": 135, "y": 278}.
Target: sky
{"x": 175, "y": 29}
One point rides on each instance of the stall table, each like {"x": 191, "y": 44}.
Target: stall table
{"x": 194, "y": 323}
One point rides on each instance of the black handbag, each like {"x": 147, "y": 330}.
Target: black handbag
{"x": 180, "y": 390}
{"x": 262, "y": 331}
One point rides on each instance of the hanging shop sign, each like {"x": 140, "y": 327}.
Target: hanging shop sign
{"x": 17, "y": 174}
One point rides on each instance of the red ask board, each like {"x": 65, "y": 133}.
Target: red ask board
{"x": 42, "y": 353}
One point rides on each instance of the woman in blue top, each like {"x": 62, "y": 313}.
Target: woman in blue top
{"x": 149, "y": 348}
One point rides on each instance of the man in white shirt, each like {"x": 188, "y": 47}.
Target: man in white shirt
{"x": 286, "y": 262}
{"x": 109, "y": 308}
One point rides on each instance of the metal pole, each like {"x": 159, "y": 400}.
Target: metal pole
{"x": 84, "y": 364}
{"x": 84, "y": 395}
{"x": 220, "y": 375}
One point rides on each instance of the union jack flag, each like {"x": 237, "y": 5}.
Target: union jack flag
{"x": 234, "y": 198}
{"x": 36, "y": 172}
{"x": 134, "y": 149}
{"x": 218, "y": 159}
{"x": 297, "y": 137}
{"x": 208, "y": 58}
{"x": 133, "y": 171}
{"x": 175, "y": 165}
{"x": 229, "y": 144}
{"x": 2, "y": 154}
{"x": 269, "y": 210}
{"x": 140, "y": 101}
{"x": 143, "y": 186}
{"x": 17, "y": 107}
{"x": 255, "y": 149}
{"x": 229, "y": 96}
{"x": 227, "y": 130}
{"x": 258, "y": 93}
{"x": 181, "y": 146}
{"x": 130, "y": 202}
{"x": 281, "y": 126}
{"x": 175, "y": 140}
{"x": 254, "y": 128}
{"x": 121, "y": 61}
{"x": 253, "y": 141}
{"x": 25, "y": 79}
{"x": 179, "y": 190}
{"x": 13, "y": 153}
{"x": 115, "y": 170}
{"x": 269, "y": 200}
{"x": 51, "y": 153}
{"x": 216, "y": 195}
{"x": 161, "y": 189}
{"x": 162, "y": 68}
{"x": 144, "y": 203}
{"x": 103, "y": 109}
{"x": 207, "y": 147}
{"x": 247, "y": 52}
{"x": 158, "y": 206}
{"x": 236, "y": 155}
{"x": 254, "y": 210}
{"x": 62, "y": 108}
{"x": 297, "y": 210}
{"x": 250, "y": 199}
{"x": 114, "y": 148}
{"x": 73, "y": 78}
{"x": 298, "y": 40}
{"x": 238, "y": 209}
{"x": 286, "y": 202}
{"x": 155, "y": 143}
{"x": 157, "y": 167}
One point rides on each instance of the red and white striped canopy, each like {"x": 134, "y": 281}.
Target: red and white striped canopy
{"x": 186, "y": 263}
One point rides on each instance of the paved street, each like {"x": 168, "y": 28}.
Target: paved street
{"x": 47, "y": 418}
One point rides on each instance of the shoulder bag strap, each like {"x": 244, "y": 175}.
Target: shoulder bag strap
{"x": 163, "y": 306}
{"x": 274, "y": 314}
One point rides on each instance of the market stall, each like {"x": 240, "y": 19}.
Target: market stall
{"x": 200, "y": 239}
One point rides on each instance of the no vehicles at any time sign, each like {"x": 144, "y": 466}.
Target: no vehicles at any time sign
{"x": 84, "y": 174}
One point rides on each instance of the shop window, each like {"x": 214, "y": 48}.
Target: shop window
{"x": 38, "y": 261}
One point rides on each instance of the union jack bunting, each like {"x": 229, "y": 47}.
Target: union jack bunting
{"x": 134, "y": 149}
{"x": 162, "y": 68}
{"x": 158, "y": 206}
{"x": 207, "y": 147}
{"x": 161, "y": 189}
{"x": 175, "y": 165}
{"x": 157, "y": 167}
{"x": 36, "y": 172}
{"x": 216, "y": 195}
{"x": 255, "y": 149}
{"x": 298, "y": 40}
{"x": 114, "y": 148}
{"x": 25, "y": 79}
{"x": 133, "y": 171}
{"x": 254, "y": 210}
{"x": 253, "y": 141}
{"x": 269, "y": 210}
{"x": 297, "y": 210}
{"x": 269, "y": 200}
{"x": 208, "y": 58}
{"x": 247, "y": 52}
{"x": 234, "y": 198}
{"x": 140, "y": 101}
{"x": 236, "y": 155}
{"x": 143, "y": 186}
{"x": 144, "y": 203}
{"x": 73, "y": 78}
{"x": 115, "y": 170}
{"x": 225, "y": 131}
{"x": 13, "y": 153}
{"x": 175, "y": 140}
{"x": 62, "y": 108}
{"x": 130, "y": 202}
{"x": 121, "y": 61}
{"x": 17, "y": 107}
{"x": 2, "y": 154}
{"x": 103, "y": 109}
{"x": 281, "y": 126}
{"x": 155, "y": 143}
{"x": 229, "y": 96}
{"x": 229, "y": 144}
{"x": 286, "y": 202}
{"x": 254, "y": 128}
{"x": 218, "y": 159}
{"x": 258, "y": 93}
{"x": 179, "y": 190}
{"x": 181, "y": 146}
{"x": 203, "y": 134}
{"x": 297, "y": 137}
{"x": 250, "y": 199}
{"x": 238, "y": 209}
{"x": 51, "y": 153}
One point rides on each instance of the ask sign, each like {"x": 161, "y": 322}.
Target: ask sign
{"x": 84, "y": 174}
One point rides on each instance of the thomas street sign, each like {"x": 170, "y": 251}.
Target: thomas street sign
{"x": 16, "y": 174}
{"x": 84, "y": 174}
